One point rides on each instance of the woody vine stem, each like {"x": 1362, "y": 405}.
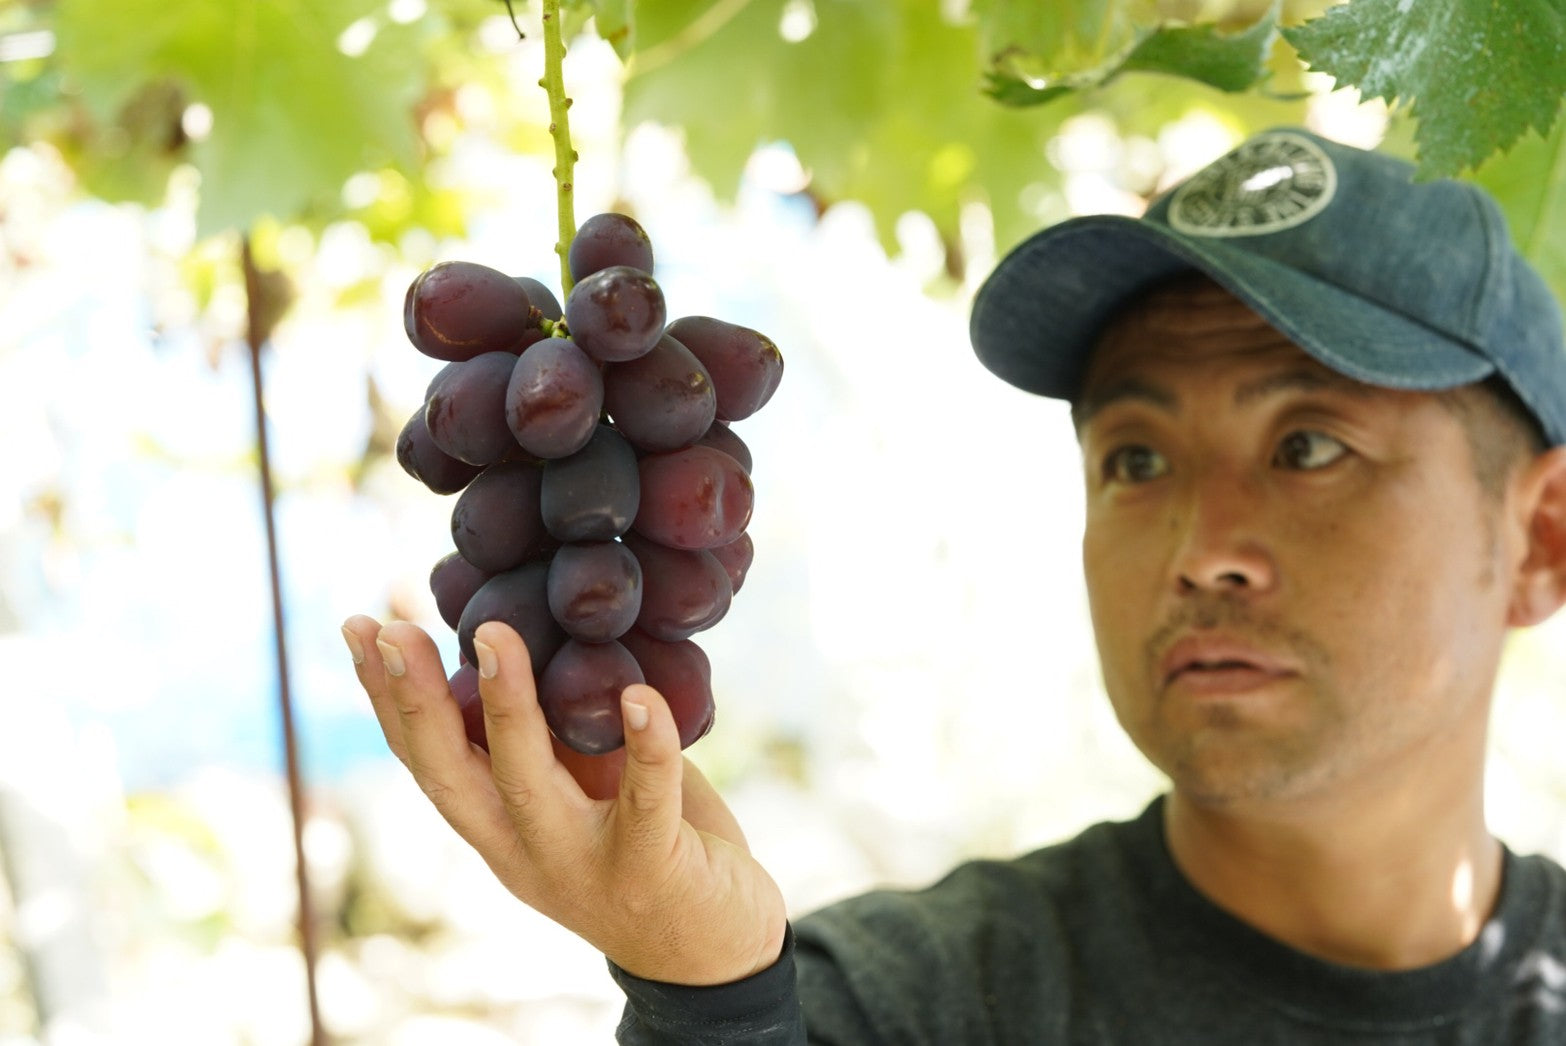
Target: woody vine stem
{"x": 553, "y": 84}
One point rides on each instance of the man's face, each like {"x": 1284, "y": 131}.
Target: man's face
{"x": 1295, "y": 581}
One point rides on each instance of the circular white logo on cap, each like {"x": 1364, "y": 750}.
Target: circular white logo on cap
{"x": 1272, "y": 182}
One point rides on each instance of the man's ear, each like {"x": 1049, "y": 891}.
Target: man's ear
{"x": 1539, "y": 585}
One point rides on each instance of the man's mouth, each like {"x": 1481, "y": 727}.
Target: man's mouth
{"x": 1221, "y": 661}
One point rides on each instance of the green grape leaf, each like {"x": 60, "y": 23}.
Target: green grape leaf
{"x": 1065, "y": 42}
{"x": 302, "y": 93}
{"x": 1529, "y": 181}
{"x": 1208, "y": 54}
{"x": 615, "y": 22}
{"x": 879, "y": 101}
{"x": 1476, "y": 74}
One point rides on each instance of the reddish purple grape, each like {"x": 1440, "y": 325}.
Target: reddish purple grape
{"x": 745, "y": 365}
{"x": 424, "y": 461}
{"x": 520, "y": 598}
{"x": 495, "y": 524}
{"x": 609, "y": 239}
{"x": 595, "y": 590}
{"x": 684, "y": 591}
{"x": 545, "y": 307}
{"x": 464, "y": 685}
{"x": 579, "y": 694}
{"x": 721, "y": 437}
{"x": 682, "y": 674}
{"x": 466, "y": 411}
{"x": 693, "y": 498}
{"x": 593, "y": 494}
{"x": 736, "y": 558}
{"x": 554, "y": 399}
{"x": 453, "y": 580}
{"x": 456, "y": 310}
{"x": 616, "y": 314}
{"x": 662, "y": 400}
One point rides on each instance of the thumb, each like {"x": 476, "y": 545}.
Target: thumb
{"x": 650, "y": 783}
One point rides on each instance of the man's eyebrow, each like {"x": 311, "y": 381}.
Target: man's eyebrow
{"x": 1299, "y": 380}
{"x": 1118, "y": 390}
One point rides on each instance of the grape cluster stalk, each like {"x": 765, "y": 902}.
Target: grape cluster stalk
{"x": 603, "y": 498}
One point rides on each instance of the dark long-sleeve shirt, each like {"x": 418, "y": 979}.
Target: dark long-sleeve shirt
{"x": 1101, "y": 940}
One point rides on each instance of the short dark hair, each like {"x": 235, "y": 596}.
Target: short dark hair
{"x": 1501, "y": 431}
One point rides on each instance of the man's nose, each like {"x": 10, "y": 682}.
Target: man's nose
{"x": 1223, "y": 544}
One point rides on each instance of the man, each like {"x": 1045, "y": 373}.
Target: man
{"x": 1322, "y": 413}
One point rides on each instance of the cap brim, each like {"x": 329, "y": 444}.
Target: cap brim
{"x": 1037, "y": 316}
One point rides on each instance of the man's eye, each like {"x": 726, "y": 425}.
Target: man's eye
{"x": 1134, "y": 464}
{"x": 1308, "y": 450}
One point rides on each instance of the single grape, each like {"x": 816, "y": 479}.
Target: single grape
{"x": 545, "y": 307}
{"x": 609, "y": 239}
{"x": 736, "y": 558}
{"x": 683, "y": 590}
{"x": 693, "y": 498}
{"x": 615, "y": 314}
{"x": 721, "y": 437}
{"x": 424, "y": 461}
{"x": 453, "y": 580}
{"x": 554, "y": 399}
{"x": 593, "y": 494}
{"x": 680, "y": 672}
{"x": 456, "y": 310}
{"x": 495, "y": 523}
{"x": 520, "y": 598}
{"x": 466, "y": 411}
{"x": 579, "y": 694}
{"x": 745, "y": 365}
{"x": 540, "y": 297}
{"x": 597, "y": 775}
{"x": 662, "y": 400}
{"x": 595, "y": 590}
{"x": 464, "y": 686}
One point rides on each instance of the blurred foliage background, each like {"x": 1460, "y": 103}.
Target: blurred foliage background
{"x": 908, "y": 678}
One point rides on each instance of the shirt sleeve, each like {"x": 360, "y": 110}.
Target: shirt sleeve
{"x": 761, "y": 1010}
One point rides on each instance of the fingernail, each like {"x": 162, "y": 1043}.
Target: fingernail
{"x": 635, "y": 715}
{"x": 391, "y": 657}
{"x": 355, "y": 648}
{"x": 488, "y": 664}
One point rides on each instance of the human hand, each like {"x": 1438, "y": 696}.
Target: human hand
{"x": 657, "y": 875}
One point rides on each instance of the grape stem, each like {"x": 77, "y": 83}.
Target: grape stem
{"x": 553, "y": 84}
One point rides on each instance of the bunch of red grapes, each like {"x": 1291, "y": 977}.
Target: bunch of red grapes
{"x": 604, "y": 499}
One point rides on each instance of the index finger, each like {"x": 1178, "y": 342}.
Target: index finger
{"x": 545, "y": 801}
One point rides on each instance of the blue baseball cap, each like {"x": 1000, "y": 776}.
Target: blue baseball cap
{"x": 1392, "y": 282}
